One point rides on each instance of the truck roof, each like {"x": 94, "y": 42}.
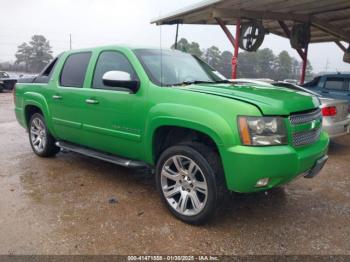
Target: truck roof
{"x": 126, "y": 47}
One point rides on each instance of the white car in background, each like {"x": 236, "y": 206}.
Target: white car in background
{"x": 335, "y": 112}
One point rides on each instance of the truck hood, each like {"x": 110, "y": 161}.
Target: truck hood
{"x": 270, "y": 100}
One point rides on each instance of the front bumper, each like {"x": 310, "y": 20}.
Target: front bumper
{"x": 336, "y": 129}
{"x": 315, "y": 170}
{"x": 244, "y": 165}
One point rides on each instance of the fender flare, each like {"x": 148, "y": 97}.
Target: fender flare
{"x": 39, "y": 101}
{"x": 194, "y": 118}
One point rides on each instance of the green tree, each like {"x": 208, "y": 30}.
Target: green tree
{"x": 212, "y": 56}
{"x": 23, "y": 55}
{"x": 309, "y": 75}
{"x": 247, "y": 65}
{"x": 191, "y": 48}
{"x": 265, "y": 63}
{"x": 35, "y": 55}
{"x": 284, "y": 66}
{"x": 225, "y": 64}
{"x": 296, "y": 68}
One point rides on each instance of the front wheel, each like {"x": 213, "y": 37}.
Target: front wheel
{"x": 188, "y": 178}
{"x": 41, "y": 140}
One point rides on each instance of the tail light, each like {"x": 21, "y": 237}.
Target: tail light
{"x": 329, "y": 111}
{"x": 348, "y": 108}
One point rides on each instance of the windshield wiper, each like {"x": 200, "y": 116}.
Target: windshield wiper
{"x": 186, "y": 83}
{"x": 222, "y": 82}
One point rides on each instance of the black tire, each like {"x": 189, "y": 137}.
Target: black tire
{"x": 210, "y": 165}
{"x": 49, "y": 148}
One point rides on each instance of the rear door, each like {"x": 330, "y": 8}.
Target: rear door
{"x": 67, "y": 99}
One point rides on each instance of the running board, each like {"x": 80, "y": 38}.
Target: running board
{"x": 102, "y": 156}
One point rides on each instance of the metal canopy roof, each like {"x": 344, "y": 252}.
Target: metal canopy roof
{"x": 330, "y": 19}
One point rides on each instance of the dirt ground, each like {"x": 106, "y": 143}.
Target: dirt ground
{"x": 62, "y": 206}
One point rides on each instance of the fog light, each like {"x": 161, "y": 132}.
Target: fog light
{"x": 262, "y": 182}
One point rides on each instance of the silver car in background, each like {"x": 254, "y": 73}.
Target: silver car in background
{"x": 335, "y": 112}
{"x": 336, "y": 119}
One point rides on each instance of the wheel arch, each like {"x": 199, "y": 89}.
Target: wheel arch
{"x": 36, "y": 103}
{"x": 168, "y": 135}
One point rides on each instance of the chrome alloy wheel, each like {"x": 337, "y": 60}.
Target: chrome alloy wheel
{"x": 184, "y": 185}
{"x": 38, "y": 135}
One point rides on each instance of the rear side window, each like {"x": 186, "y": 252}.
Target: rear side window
{"x": 335, "y": 83}
{"x": 45, "y": 75}
{"x": 111, "y": 61}
{"x": 74, "y": 70}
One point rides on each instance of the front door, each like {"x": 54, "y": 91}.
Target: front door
{"x": 114, "y": 118}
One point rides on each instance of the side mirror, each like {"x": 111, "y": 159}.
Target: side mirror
{"x": 120, "y": 79}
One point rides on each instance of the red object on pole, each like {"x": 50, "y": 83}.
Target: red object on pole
{"x": 234, "y": 42}
{"x": 303, "y": 70}
{"x": 236, "y": 46}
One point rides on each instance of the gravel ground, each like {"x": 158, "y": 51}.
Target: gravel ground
{"x": 73, "y": 204}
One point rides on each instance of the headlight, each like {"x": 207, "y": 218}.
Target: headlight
{"x": 262, "y": 131}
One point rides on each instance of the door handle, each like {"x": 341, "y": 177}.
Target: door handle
{"x": 57, "y": 97}
{"x": 91, "y": 101}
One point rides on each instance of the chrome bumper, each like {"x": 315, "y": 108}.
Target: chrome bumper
{"x": 336, "y": 129}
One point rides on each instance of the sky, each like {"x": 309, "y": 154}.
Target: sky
{"x": 104, "y": 22}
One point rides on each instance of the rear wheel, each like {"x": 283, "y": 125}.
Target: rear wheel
{"x": 41, "y": 140}
{"x": 189, "y": 180}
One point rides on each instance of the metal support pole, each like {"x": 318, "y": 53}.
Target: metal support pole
{"x": 303, "y": 69}
{"x": 302, "y": 53}
{"x": 176, "y": 35}
{"x": 341, "y": 46}
{"x": 234, "y": 42}
{"x": 287, "y": 33}
{"x": 226, "y": 31}
{"x": 236, "y": 45}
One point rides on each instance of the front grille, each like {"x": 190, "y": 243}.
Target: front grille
{"x": 306, "y": 117}
{"x": 306, "y": 137}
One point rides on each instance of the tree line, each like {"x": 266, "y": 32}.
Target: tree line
{"x": 31, "y": 56}
{"x": 260, "y": 64}
{"x": 34, "y": 55}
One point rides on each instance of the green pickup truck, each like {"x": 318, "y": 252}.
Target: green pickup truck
{"x": 169, "y": 111}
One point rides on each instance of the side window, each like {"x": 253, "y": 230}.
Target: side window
{"x": 74, "y": 70}
{"x": 45, "y": 75}
{"x": 111, "y": 61}
{"x": 335, "y": 83}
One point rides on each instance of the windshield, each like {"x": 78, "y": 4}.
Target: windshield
{"x": 171, "y": 67}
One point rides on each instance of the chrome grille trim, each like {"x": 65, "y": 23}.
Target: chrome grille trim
{"x": 306, "y": 137}
{"x": 305, "y": 118}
